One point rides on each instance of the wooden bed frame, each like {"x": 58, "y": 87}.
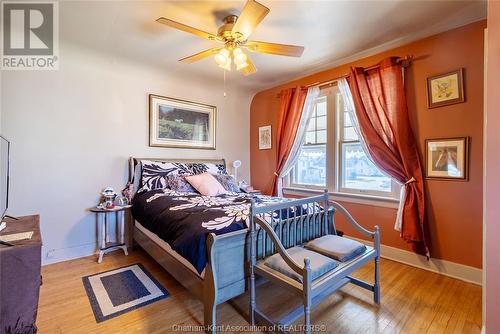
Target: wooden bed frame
{"x": 227, "y": 271}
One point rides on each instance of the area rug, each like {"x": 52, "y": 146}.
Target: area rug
{"x": 114, "y": 292}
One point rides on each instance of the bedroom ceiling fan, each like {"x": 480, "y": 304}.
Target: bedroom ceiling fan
{"x": 234, "y": 35}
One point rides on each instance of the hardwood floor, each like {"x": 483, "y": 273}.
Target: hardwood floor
{"x": 413, "y": 301}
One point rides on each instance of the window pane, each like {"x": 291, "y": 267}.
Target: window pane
{"x": 321, "y": 137}
{"x": 311, "y": 166}
{"x": 350, "y": 134}
{"x": 360, "y": 173}
{"x": 310, "y": 137}
{"x": 321, "y": 123}
{"x": 321, "y": 107}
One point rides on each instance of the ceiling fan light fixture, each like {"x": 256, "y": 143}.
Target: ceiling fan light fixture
{"x": 239, "y": 57}
{"x": 223, "y": 58}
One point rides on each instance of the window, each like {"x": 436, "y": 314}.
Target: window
{"x": 332, "y": 155}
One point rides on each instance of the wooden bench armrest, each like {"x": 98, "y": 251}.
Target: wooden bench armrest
{"x": 351, "y": 220}
{"x": 279, "y": 246}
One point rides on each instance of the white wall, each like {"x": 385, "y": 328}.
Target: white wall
{"x": 73, "y": 130}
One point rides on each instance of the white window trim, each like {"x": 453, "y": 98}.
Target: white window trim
{"x": 338, "y": 193}
{"x": 384, "y": 202}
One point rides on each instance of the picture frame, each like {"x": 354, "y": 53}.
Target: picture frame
{"x": 265, "y": 137}
{"x": 179, "y": 123}
{"x": 445, "y": 89}
{"x": 447, "y": 158}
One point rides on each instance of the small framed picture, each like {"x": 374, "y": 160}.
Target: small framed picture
{"x": 445, "y": 89}
{"x": 447, "y": 158}
{"x": 182, "y": 124}
{"x": 265, "y": 138}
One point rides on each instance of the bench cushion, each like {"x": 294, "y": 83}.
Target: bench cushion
{"x": 320, "y": 264}
{"x": 339, "y": 248}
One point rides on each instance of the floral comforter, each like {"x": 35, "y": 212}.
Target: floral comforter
{"x": 184, "y": 220}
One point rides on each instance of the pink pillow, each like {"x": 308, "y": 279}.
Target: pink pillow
{"x": 206, "y": 184}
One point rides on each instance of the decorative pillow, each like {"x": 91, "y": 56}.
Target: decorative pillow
{"x": 199, "y": 168}
{"x": 179, "y": 183}
{"x": 228, "y": 182}
{"x": 154, "y": 173}
{"x": 206, "y": 184}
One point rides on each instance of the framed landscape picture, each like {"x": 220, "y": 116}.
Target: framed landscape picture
{"x": 445, "y": 89}
{"x": 265, "y": 139}
{"x": 182, "y": 124}
{"x": 447, "y": 158}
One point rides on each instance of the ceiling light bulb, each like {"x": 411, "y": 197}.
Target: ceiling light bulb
{"x": 222, "y": 57}
{"x": 239, "y": 56}
{"x": 226, "y": 65}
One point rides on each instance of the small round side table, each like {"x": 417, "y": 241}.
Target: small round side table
{"x": 102, "y": 226}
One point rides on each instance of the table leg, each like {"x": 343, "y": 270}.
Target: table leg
{"x": 106, "y": 226}
{"x": 122, "y": 232}
{"x": 102, "y": 223}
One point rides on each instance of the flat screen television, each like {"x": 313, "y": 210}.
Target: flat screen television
{"x": 4, "y": 176}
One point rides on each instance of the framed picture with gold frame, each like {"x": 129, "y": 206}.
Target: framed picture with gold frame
{"x": 447, "y": 158}
{"x": 445, "y": 89}
{"x": 181, "y": 124}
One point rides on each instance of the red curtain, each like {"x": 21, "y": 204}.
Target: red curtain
{"x": 291, "y": 106}
{"x": 380, "y": 103}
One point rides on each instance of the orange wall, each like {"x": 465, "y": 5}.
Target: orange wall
{"x": 454, "y": 208}
{"x": 492, "y": 161}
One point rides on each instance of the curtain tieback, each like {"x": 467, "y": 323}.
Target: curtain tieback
{"x": 411, "y": 180}
{"x": 276, "y": 174}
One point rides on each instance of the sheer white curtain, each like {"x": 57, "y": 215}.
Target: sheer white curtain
{"x": 349, "y": 105}
{"x": 312, "y": 95}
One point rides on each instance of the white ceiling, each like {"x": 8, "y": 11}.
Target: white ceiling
{"x": 332, "y": 32}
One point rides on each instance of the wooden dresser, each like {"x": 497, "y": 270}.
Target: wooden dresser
{"x": 20, "y": 277}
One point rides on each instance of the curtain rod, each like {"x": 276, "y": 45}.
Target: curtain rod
{"x": 405, "y": 62}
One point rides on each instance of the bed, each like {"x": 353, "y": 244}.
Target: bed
{"x": 213, "y": 262}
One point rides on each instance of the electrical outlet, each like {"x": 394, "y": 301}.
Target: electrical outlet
{"x": 50, "y": 253}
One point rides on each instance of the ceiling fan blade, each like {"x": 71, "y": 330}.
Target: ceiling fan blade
{"x": 252, "y": 14}
{"x": 250, "y": 69}
{"x": 200, "y": 55}
{"x": 274, "y": 48}
{"x": 186, "y": 28}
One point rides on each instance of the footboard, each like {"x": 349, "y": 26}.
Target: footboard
{"x": 295, "y": 223}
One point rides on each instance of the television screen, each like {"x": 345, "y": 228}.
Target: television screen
{"x": 4, "y": 175}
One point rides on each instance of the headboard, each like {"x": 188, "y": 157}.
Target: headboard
{"x": 135, "y": 161}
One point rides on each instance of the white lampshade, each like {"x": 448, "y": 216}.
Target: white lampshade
{"x": 241, "y": 66}
{"x": 239, "y": 56}
{"x": 223, "y": 59}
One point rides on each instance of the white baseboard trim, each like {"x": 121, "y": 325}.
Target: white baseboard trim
{"x": 50, "y": 256}
{"x": 443, "y": 267}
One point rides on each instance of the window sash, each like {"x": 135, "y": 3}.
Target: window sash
{"x": 395, "y": 187}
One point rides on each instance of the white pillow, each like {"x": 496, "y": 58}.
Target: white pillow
{"x": 206, "y": 184}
